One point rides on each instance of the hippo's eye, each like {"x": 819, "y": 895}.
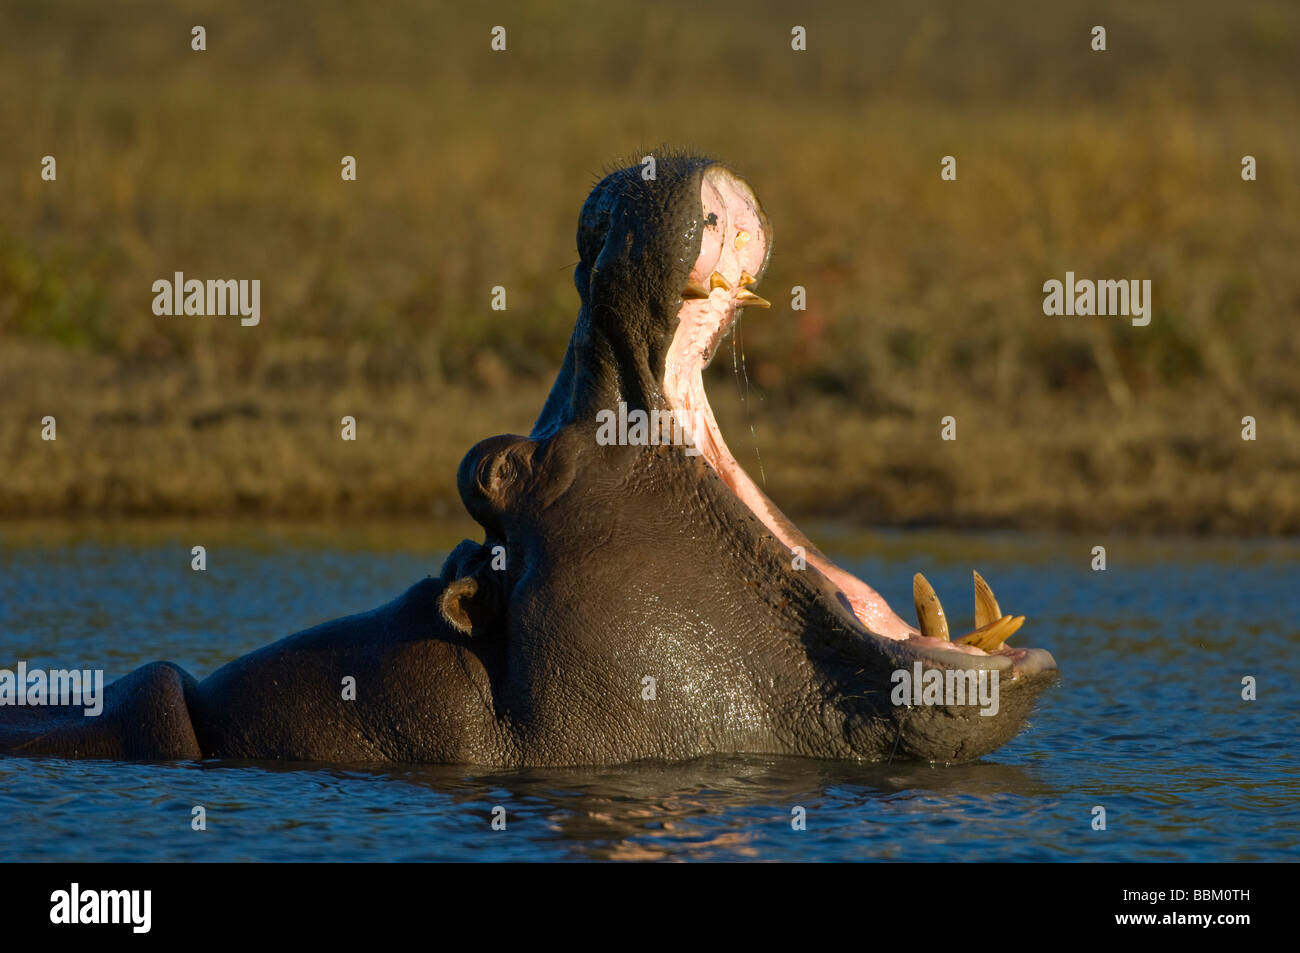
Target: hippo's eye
{"x": 501, "y": 471}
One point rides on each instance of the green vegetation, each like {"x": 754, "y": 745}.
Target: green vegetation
{"x": 924, "y": 296}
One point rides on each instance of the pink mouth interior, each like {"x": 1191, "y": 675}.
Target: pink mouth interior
{"x": 702, "y": 324}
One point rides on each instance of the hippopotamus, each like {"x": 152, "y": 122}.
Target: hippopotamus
{"x": 635, "y": 595}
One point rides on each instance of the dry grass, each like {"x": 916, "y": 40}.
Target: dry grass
{"x": 924, "y": 296}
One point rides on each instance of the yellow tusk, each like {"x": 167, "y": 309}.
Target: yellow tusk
{"x": 990, "y": 637}
{"x": 986, "y": 606}
{"x": 929, "y": 612}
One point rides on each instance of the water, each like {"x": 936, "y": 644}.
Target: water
{"x": 1147, "y": 720}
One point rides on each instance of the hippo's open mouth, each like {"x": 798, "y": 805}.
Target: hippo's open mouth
{"x": 733, "y": 253}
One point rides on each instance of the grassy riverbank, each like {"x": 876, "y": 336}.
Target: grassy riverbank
{"x": 924, "y": 296}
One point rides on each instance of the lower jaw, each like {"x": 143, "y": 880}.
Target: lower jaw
{"x": 684, "y": 389}
{"x": 683, "y": 386}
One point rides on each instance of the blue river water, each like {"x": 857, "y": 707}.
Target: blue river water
{"x": 1147, "y": 720}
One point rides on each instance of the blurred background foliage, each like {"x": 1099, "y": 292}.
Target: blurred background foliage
{"x": 924, "y": 297}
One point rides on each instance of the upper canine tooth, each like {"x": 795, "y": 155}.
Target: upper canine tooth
{"x": 747, "y": 297}
{"x": 717, "y": 280}
{"x": 746, "y": 279}
{"x": 929, "y": 613}
{"x": 742, "y": 239}
{"x": 986, "y": 606}
{"x": 695, "y": 290}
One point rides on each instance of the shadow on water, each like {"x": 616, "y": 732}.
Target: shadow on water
{"x": 709, "y": 808}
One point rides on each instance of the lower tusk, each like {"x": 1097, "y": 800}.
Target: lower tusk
{"x": 929, "y": 612}
{"x": 986, "y": 606}
{"x": 747, "y": 298}
{"x": 990, "y": 637}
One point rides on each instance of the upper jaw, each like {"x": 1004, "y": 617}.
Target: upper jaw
{"x": 709, "y": 310}
{"x": 712, "y": 307}
{"x": 735, "y": 245}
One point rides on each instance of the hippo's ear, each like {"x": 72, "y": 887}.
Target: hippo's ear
{"x": 470, "y": 605}
{"x": 472, "y": 596}
{"x": 456, "y": 604}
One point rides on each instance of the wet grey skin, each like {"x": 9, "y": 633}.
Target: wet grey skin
{"x": 645, "y": 611}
